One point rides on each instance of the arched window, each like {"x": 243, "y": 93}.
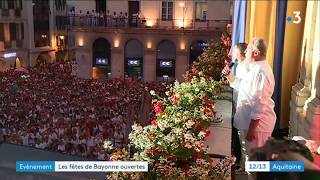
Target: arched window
{"x": 101, "y": 58}
{"x": 133, "y": 61}
{"x": 196, "y": 49}
{"x": 166, "y": 58}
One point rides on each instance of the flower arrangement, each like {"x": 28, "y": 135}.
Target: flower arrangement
{"x": 174, "y": 142}
{"x": 212, "y": 60}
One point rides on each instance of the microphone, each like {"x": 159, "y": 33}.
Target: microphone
{"x": 231, "y": 65}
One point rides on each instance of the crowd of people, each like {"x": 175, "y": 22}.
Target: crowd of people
{"x": 107, "y": 19}
{"x": 48, "y": 108}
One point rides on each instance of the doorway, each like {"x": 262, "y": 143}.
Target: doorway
{"x": 101, "y": 6}
{"x": 101, "y": 58}
{"x": 133, "y": 64}
{"x": 133, "y": 10}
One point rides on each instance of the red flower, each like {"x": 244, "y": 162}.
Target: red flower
{"x": 154, "y": 123}
{"x": 196, "y": 156}
{"x": 184, "y": 161}
{"x": 208, "y": 133}
{"x": 148, "y": 152}
{"x": 175, "y": 100}
{"x": 160, "y": 150}
{"x": 171, "y": 158}
{"x": 158, "y": 108}
{"x": 187, "y": 168}
{"x": 153, "y": 152}
{"x": 214, "y": 113}
{"x": 206, "y": 110}
{"x": 201, "y": 144}
{"x": 209, "y": 102}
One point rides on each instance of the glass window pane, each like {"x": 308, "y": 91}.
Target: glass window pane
{"x": 13, "y": 31}
{"x": 22, "y": 31}
{"x": 201, "y": 11}
{"x": 1, "y": 32}
{"x": 164, "y": 10}
{"x": 11, "y": 4}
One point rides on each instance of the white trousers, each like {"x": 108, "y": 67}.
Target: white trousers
{"x": 246, "y": 146}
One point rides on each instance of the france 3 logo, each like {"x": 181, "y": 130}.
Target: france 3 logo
{"x": 296, "y": 19}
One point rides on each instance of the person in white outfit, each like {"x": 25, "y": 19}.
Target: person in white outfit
{"x": 238, "y": 52}
{"x": 255, "y": 117}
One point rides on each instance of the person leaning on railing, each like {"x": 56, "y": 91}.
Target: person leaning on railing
{"x": 114, "y": 19}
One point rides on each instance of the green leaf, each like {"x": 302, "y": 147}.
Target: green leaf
{"x": 183, "y": 152}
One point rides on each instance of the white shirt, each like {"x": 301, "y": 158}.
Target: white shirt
{"x": 241, "y": 71}
{"x": 254, "y": 98}
{"x": 61, "y": 147}
{"x": 90, "y": 142}
{"x": 101, "y": 156}
{"x": 25, "y": 140}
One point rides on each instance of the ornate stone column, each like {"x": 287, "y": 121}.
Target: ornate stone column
{"x": 305, "y": 106}
{"x": 182, "y": 63}
{"x": 313, "y": 103}
{"x": 301, "y": 91}
{"x": 149, "y": 65}
{"x": 84, "y": 61}
{"x": 117, "y": 62}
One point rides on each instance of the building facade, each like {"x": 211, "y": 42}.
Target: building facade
{"x": 154, "y": 40}
{"x": 26, "y": 32}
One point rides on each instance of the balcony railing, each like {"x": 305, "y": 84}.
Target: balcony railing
{"x": 5, "y": 13}
{"x": 7, "y": 45}
{"x": 19, "y": 43}
{"x": 17, "y": 13}
{"x": 122, "y": 22}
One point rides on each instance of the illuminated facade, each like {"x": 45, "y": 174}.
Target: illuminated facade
{"x": 154, "y": 40}
{"x": 26, "y": 30}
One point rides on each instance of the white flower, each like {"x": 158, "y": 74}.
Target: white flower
{"x": 152, "y": 92}
{"x": 177, "y": 120}
{"x": 108, "y": 145}
{"x": 188, "y": 145}
{"x": 167, "y": 93}
{"x": 177, "y": 131}
{"x": 202, "y": 134}
{"x": 189, "y": 124}
{"x": 162, "y": 124}
{"x": 188, "y": 136}
{"x": 169, "y": 138}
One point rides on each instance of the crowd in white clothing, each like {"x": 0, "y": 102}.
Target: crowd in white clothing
{"x": 52, "y": 110}
{"x": 95, "y": 18}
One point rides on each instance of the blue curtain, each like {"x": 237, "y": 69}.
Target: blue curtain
{"x": 238, "y": 23}
{"x": 278, "y": 56}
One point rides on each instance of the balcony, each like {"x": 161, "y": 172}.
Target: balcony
{"x": 7, "y": 45}
{"x": 174, "y": 24}
{"x": 19, "y": 43}
{"x": 17, "y": 13}
{"x": 5, "y": 12}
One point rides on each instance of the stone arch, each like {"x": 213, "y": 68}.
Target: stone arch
{"x": 166, "y": 60}
{"x": 133, "y": 60}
